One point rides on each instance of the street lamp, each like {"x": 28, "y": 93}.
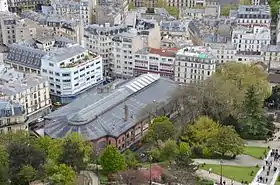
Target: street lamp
{"x": 221, "y": 178}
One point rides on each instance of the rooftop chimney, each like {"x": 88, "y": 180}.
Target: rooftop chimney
{"x": 125, "y": 113}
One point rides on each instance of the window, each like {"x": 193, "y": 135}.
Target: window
{"x": 65, "y": 74}
{"x": 44, "y": 70}
{"x": 51, "y": 64}
{"x": 68, "y": 80}
{"x": 57, "y": 74}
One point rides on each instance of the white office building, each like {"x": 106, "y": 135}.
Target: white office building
{"x": 71, "y": 71}
{"x": 193, "y": 64}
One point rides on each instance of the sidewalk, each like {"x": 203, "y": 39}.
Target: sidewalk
{"x": 216, "y": 178}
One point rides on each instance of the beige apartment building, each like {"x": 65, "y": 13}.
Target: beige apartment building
{"x": 193, "y": 64}
{"x": 13, "y": 29}
{"x": 12, "y": 117}
{"x": 124, "y": 47}
{"x": 31, "y": 91}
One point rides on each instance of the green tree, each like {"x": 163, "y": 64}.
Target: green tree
{"x": 226, "y": 142}
{"x": 169, "y": 151}
{"x": 131, "y": 6}
{"x": 20, "y": 155}
{"x": 60, "y": 174}
{"x": 131, "y": 159}
{"x": 274, "y": 5}
{"x": 51, "y": 147}
{"x": 254, "y": 123}
{"x": 161, "y": 129}
{"x": 170, "y": 9}
{"x": 27, "y": 174}
{"x": 76, "y": 152}
{"x": 183, "y": 158}
{"x": 226, "y": 9}
{"x": 245, "y": 2}
{"x": 201, "y": 131}
{"x": 112, "y": 161}
{"x": 4, "y": 161}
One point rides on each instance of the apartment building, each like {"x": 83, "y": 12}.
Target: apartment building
{"x": 26, "y": 56}
{"x": 259, "y": 2}
{"x": 157, "y": 61}
{"x": 223, "y": 52}
{"x": 175, "y": 29}
{"x": 70, "y": 71}
{"x": 252, "y": 15}
{"x": 150, "y": 31}
{"x": 271, "y": 57}
{"x": 13, "y": 29}
{"x": 112, "y": 12}
{"x": 31, "y": 91}
{"x": 98, "y": 39}
{"x": 250, "y": 40}
{"x": 124, "y": 47}
{"x": 12, "y": 117}
{"x": 57, "y": 25}
{"x": 82, "y": 10}
{"x": 20, "y": 5}
{"x": 193, "y": 64}
{"x": 4, "y": 6}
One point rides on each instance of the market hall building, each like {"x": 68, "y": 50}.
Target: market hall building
{"x": 114, "y": 117}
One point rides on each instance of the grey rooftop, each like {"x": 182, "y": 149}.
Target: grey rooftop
{"x": 174, "y": 26}
{"x": 8, "y": 108}
{"x": 96, "y": 116}
{"x": 61, "y": 54}
{"x": 96, "y": 29}
{"x": 13, "y": 82}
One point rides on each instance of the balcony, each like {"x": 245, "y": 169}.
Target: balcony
{"x": 88, "y": 57}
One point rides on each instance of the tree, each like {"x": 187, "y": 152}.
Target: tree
{"x": 170, "y": 9}
{"x": 254, "y": 123}
{"x": 226, "y": 142}
{"x": 52, "y": 148}
{"x": 201, "y": 131}
{"x": 161, "y": 129}
{"x": 20, "y": 155}
{"x": 112, "y": 161}
{"x": 245, "y": 2}
{"x": 76, "y": 152}
{"x": 27, "y": 174}
{"x": 131, "y": 6}
{"x": 226, "y": 9}
{"x": 131, "y": 159}
{"x": 169, "y": 151}
{"x": 60, "y": 174}
{"x": 4, "y": 176}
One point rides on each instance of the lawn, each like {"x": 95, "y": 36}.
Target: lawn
{"x": 237, "y": 173}
{"x": 256, "y": 152}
